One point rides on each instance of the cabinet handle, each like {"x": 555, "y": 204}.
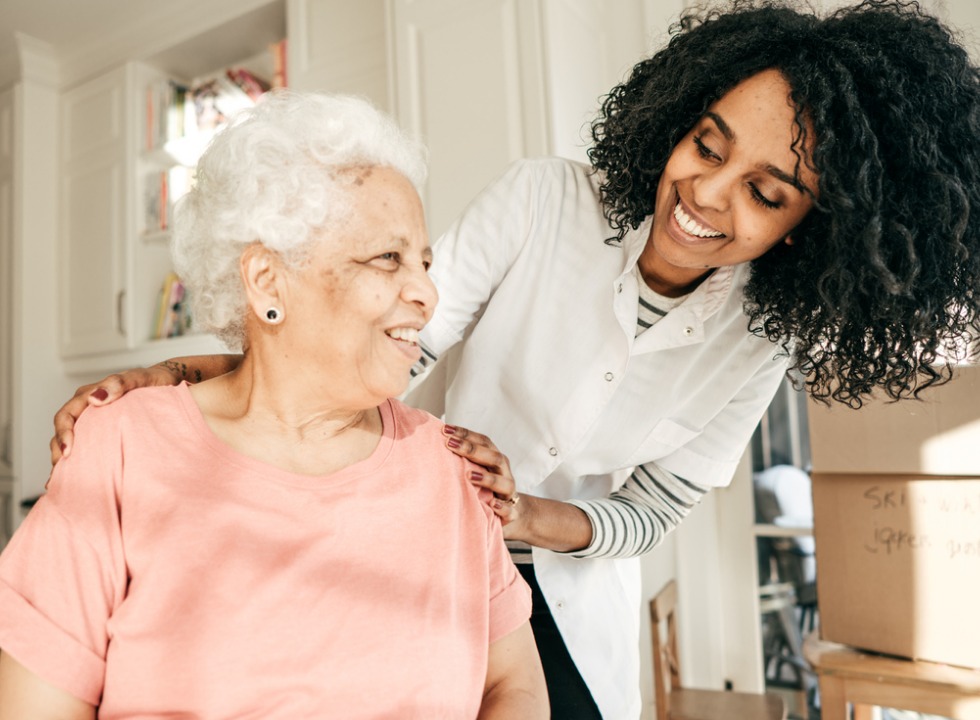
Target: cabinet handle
{"x": 120, "y": 319}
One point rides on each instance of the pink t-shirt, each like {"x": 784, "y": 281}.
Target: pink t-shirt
{"x": 165, "y": 574}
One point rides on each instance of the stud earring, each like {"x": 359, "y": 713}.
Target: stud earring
{"x": 273, "y": 316}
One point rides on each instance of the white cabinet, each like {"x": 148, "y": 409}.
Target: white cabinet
{"x": 95, "y": 177}
{"x": 114, "y": 265}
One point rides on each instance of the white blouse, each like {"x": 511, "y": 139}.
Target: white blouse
{"x": 632, "y": 429}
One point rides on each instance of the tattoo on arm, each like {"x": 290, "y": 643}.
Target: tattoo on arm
{"x": 179, "y": 370}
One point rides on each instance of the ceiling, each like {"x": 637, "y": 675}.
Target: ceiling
{"x": 64, "y": 23}
{"x": 86, "y": 36}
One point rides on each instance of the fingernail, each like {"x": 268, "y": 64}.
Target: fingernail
{"x": 453, "y": 443}
{"x": 497, "y": 504}
{"x": 100, "y": 394}
{"x": 449, "y": 429}
{"x": 476, "y": 475}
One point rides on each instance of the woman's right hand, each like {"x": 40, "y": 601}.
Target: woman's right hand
{"x": 103, "y": 392}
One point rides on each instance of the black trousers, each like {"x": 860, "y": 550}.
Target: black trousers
{"x": 570, "y": 697}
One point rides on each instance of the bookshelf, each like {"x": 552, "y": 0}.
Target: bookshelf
{"x": 131, "y": 139}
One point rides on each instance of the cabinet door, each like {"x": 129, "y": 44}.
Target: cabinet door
{"x": 93, "y": 216}
{"x": 340, "y": 46}
{"x": 469, "y": 79}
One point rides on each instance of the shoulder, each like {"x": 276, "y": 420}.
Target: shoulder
{"x": 138, "y": 409}
{"x": 409, "y": 420}
{"x": 419, "y": 435}
{"x": 546, "y": 172}
{"x": 532, "y": 177}
{"x": 555, "y": 193}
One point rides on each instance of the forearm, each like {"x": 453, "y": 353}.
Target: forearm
{"x": 515, "y": 686}
{"x": 639, "y": 515}
{"x": 550, "y": 524}
{"x": 23, "y": 694}
{"x": 197, "y": 368}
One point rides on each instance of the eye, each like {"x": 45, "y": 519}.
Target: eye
{"x": 388, "y": 261}
{"x": 703, "y": 150}
{"x": 758, "y": 197}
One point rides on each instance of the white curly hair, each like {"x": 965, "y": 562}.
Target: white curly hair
{"x": 274, "y": 176}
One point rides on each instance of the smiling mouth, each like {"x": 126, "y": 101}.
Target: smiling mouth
{"x": 404, "y": 334}
{"x": 692, "y": 226}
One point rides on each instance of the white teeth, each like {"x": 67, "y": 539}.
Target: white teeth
{"x": 407, "y": 334}
{"x": 690, "y": 226}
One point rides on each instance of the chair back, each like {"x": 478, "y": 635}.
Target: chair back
{"x": 675, "y": 702}
{"x": 666, "y": 664}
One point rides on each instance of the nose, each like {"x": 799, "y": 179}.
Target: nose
{"x": 713, "y": 187}
{"x": 420, "y": 290}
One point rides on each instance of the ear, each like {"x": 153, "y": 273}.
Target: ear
{"x": 788, "y": 240}
{"x": 263, "y": 277}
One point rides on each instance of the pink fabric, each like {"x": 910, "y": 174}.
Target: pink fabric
{"x": 169, "y": 575}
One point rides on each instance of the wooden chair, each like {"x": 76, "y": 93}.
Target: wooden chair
{"x": 677, "y": 703}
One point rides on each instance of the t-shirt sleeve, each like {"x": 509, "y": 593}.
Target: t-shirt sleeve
{"x": 510, "y": 596}
{"x": 63, "y": 572}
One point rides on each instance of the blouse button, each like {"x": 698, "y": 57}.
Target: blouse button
{"x": 688, "y": 330}
{"x": 609, "y": 377}
{"x": 553, "y": 451}
{"x": 560, "y": 605}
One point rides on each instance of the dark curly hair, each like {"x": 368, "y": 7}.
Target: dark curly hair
{"x": 881, "y": 283}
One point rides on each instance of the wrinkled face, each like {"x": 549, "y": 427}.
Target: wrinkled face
{"x": 359, "y": 304}
{"x": 730, "y": 190}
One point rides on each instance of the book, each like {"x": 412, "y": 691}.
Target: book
{"x": 171, "y": 317}
{"x": 156, "y": 208}
{"x": 165, "y": 113}
{"x": 172, "y": 324}
{"x": 252, "y": 85}
{"x": 278, "y": 52}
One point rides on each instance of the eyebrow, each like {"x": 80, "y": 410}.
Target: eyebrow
{"x": 426, "y": 251}
{"x": 782, "y": 175}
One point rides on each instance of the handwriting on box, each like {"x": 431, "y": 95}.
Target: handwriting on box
{"x": 929, "y": 517}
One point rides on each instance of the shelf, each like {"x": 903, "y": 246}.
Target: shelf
{"x": 148, "y": 353}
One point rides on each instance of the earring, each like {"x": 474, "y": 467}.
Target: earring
{"x": 273, "y": 316}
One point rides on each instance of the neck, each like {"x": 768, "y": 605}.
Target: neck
{"x": 271, "y": 396}
{"x": 672, "y": 284}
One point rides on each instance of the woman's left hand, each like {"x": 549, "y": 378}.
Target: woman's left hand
{"x": 495, "y": 474}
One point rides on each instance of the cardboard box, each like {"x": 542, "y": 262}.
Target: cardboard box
{"x": 898, "y": 564}
{"x": 939, "y": 435}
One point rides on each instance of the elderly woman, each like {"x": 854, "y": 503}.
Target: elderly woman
{"x": 284, "y": 541}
